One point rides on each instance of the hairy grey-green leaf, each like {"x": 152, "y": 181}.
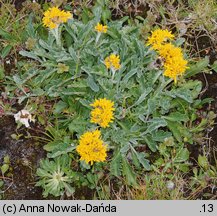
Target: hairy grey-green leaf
{"x": 92, "y": 84}
{"x": 154, "y": 124}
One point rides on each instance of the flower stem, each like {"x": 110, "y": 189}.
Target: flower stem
{"x": 113, "y": 73}
{"x": 56, "y": 34}
{"x": 97, "y": 37}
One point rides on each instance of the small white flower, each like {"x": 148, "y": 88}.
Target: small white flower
{"x": 24, "y": 117}
{"x": 170, "y": 185}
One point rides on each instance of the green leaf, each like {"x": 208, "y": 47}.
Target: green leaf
{"x": 198, "y": 67}
{"x": 73, "y": 54}
{"x": 59, "y": 107}
{"x": 182, "y": 155}
{"x": 69, "y": 190}
{"x": 85, "y": 15}
{"x": 214, "y": 66}
{"x": 30, "y": 55}
{"x": 187, "y": 91}
{"x": 116, "y": 164}
{"x": 160, "y": 135}
{"x": 1, "y": 184}
{"x": 143, "y": 96}
{"x": 106, "y": 15}
{"x": 135, "y": 159}
{"x": 151, "y": 143}
{"x": 144, "y": 162}
{"x": 17, "y": 80}
{"x": 64, "y": 150}
{"x": 92, "y": 84}
{"x": 41, "y": 119}
{"x": 90, "y": 178}
{"x": 203, "y": 161}
{"x": 185, "y": 94}
{"x": 177, "y": 117}
{"x": 52, "y": 145}
{"x": 72, "y": 92}
{"x": 129, "y": 75}
{"x": 125, "y": 148}
{"x": 140, "y": 157}
{"x": 128, "y": 173}
{"x": 2, "y": 74}
{"x": 179, "y": 41}
{"x": 77, "y": 125}
{"x": 154, "y": 124}
{"x": 183, "y": 167}
{"x": 4, "y": 168}
{"x": 113, "y": 33}
{"x": 6, "y": 50}
{"x": 42, "y": 173}
{"x": 6, "y": 35}
{"x": 45, "y": 45}
{"x": 85, "y": 103}
{"x": 85, "y": 165}
{"x": 175, "y": 129}
{"x": 30, "y": 28}
{"x": 7, "y": 159}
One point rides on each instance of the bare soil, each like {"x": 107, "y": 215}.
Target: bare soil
{"x": 25, "y": 155}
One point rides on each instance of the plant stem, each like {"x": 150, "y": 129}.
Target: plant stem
{"x": 97, "y": 37}
{"x": 56, "y": 34}
{"x": 113, "y": 73}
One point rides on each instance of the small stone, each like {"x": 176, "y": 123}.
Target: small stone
{"x": 170, "y": 185}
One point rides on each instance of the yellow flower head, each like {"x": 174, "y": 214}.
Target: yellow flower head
{"x": 168, "y": 51}
{"x": 102, "y": 113}
{"x": 113, "y": 61}
{"x": 175, "y": 67}
{"x": 54, "y": 16}
{"x": 175, "y": 64}
{"x": 91, "y": 148}
{"x": 158, "y": 37}
{"x": 101, "y": 28}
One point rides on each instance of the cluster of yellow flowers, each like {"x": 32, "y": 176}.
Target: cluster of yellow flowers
{"x": 102, "y": 113}
{"x": 53, "y": 17}
{"x": 91, "y": 148}
{"x": 159, "y": 37}
{"x": 175, "y": 64}
{"x": 113, "y": 61}
{"x": 101, "y": 28}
